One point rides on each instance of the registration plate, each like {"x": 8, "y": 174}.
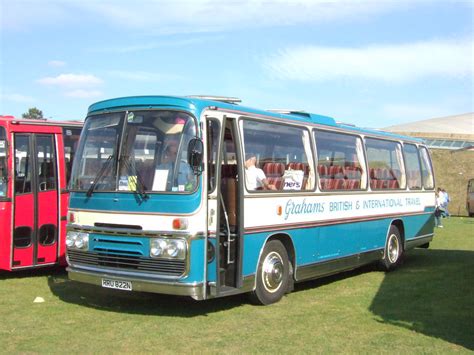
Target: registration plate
{"x": 119, "y": 285}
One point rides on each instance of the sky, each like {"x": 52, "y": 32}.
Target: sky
{"x": 368, "y": 63}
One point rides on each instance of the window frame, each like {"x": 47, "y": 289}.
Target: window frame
{"x": 7, "y": 177}
{"x": 402, "y": 165}
{"x": 68, "y": 172}
{"x": 364, "y": 164}
{"x": 217, "y": 174}
{"x": 419, "y": 166}
{"x": 430, "y": 162}
{"x": 53, "y": 162}
{"x": 119, "y": 143}
{"x": 30, "y": 156}
{"x": 310, "y": 158}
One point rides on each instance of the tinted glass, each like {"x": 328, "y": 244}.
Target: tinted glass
{"x": 23, "y": 164}
{"x": 340, "y": 161}
{"x": 277, "y": 157}
{"x": 426, "y": 169}
{"x": 412, "y": 166}
{"x": 3, "y": 163}
{"x": 386, "y": 169}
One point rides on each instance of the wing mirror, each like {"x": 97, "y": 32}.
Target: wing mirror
{"x": 195, "y": 155}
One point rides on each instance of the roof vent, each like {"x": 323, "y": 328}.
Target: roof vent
{"x": 229, "y": 100}
{"x": 290, "y": 112}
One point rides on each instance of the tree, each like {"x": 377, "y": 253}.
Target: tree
{"x": 33, "y": 114}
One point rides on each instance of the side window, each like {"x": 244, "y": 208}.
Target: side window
{"x": 46, "y": 160}
{"x": 277, "y": 157}
{"x": 412, "y": 166}
{"x": 341, "y": 163}
{"x": 212, "y": 145}
{"x": 70, "y": 139}
{"x": 3, "y": 163}
{"x": 426, "y": 169}
{"x": 386, "y": 169}
{"x": 22, "y": 164}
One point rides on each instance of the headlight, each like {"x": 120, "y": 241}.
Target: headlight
{"x": 168, "y": 248}
{"x": 75, "y": 240}
{"x": 71, "y": 239}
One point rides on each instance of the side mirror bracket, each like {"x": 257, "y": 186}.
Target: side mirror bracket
{"x": 195, "y": 155}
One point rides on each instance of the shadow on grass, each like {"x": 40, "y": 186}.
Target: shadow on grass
{"x": 136, "y": 302}
{"x": 432, "y": 294}
{"x": 29, "y": 273}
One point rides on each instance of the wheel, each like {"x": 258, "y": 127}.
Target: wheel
{"x": 393, "y": 249}
{"x": 273, "y": 274}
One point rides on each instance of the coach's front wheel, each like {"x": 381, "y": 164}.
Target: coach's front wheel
{"x": 393, "y": 249}
{"x": 273, "y": 274}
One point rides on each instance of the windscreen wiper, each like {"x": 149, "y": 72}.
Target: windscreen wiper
{"x": 99, "y": 175}
{"x": 140, "y": 187}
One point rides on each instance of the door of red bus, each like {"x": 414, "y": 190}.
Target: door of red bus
{"x": 33, "y": 207}
{"x": 35, "y": 233}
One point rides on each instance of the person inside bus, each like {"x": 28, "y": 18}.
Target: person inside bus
{"x": 255, "y": 177}
{"x": 168, "y": 161}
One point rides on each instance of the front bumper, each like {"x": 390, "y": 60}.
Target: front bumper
{"x": 139, "y": 283}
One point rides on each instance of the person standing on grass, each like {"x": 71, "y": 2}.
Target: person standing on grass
{"x": 438, "y": 210}
{"x": 445, "y": 203}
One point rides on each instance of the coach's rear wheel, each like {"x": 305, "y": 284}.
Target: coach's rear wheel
{"x": 273, "y": 274}
{"x": 393, "y": 249}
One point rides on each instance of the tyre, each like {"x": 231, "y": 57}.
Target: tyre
{"x": 393, "y": 252}
{"x": 273, "y": 274}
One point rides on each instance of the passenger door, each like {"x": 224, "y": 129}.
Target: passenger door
{"x": 35, "y": 230}
{"x": 223, "y": 206}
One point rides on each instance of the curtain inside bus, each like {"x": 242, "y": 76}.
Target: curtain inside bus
{"x": 3, "y": 163}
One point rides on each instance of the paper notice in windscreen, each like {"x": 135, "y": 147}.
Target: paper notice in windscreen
{"x": 161, "y": 177}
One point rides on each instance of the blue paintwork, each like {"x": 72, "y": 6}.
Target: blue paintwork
{"x": 130, "y": 202}
{"x": 196, "y": 106}
{"x": 319, "y": 244}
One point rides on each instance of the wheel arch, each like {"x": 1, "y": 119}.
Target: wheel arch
{"x": 401, "y": 228}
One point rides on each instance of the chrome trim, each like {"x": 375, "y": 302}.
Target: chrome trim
{"x": 421, "y": 237}
{"x": 413, "y": 243}
{"x": 335, "y": 265}
{"x": 132, "y": 232}
{"x": 187, "y": 264}
{"x": 34, "y": 266}
{"x": 122, "y": 273}
{"x": 140, "y": 283}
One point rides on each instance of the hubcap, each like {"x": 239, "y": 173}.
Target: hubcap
{"x": 272, "y": 272}
{"x": 393, "y": 249}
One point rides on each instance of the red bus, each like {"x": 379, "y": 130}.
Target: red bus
{"x": 35, "y": 164}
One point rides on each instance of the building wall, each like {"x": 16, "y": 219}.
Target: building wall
{"x": 453, "y": 169}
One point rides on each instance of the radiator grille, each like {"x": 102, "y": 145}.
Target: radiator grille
{"x": 125, "y": 253}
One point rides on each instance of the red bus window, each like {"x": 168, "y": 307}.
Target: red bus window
{"x": 3, "y": 163}
{"x": 22, "y": 164}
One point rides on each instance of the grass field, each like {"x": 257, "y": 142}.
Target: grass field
{"x": 426, "y": 306}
